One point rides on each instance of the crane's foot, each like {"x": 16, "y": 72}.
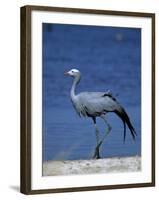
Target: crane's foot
{"x": 96, "y": 153}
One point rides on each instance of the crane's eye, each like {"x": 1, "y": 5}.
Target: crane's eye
{"x": 72, "y": 71}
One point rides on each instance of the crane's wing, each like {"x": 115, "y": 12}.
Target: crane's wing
{"x": 96, "y": 103}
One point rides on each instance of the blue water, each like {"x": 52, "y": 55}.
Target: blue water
{"x": 108, "y": 58}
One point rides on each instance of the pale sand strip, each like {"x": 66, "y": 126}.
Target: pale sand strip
{"x": 106, "y": 165}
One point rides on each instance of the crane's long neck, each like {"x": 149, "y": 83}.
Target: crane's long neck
{"x": 75, "y": 82}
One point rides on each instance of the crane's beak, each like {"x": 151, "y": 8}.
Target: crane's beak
{"x": 66, "y": 73}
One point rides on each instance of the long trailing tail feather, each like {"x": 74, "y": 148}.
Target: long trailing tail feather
{"x": 126, "y": 121}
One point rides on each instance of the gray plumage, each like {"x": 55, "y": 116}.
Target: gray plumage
{"x": 97, "y": 104}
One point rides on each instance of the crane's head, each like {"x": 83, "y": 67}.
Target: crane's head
{"x": 73, "y": 72}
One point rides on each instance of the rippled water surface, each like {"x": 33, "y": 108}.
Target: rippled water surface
{"x": 108, "y": 58}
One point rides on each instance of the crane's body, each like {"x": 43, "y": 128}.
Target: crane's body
{"x": 94, "y": 103}
{"x": 97, "y": 104}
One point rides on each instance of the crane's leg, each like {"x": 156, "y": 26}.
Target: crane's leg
{"x": 107, "y": 131}
{"x": 96, "y": 152}
{"x": 100, "y": 142}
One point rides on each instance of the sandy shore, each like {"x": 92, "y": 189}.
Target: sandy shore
{"x": 106, "y": 165}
